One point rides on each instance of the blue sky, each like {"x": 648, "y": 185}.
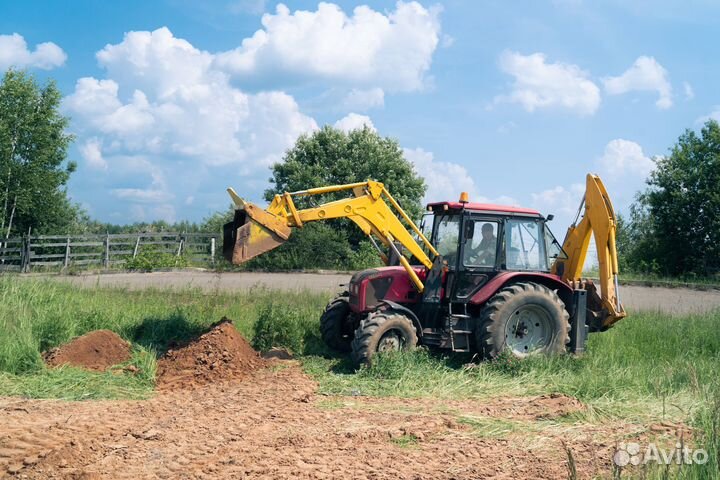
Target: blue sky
{"x": 173, "y": 100}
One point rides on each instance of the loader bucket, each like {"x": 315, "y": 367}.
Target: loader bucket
{"x": 251, "y": 233}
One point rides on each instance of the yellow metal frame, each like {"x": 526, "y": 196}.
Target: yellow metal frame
{"x": 368, "y": 209}
{"x": 599, "y": 220}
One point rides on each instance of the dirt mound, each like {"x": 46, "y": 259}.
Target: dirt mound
{"x": 219, "y": 354}
{"x": 96, "y": 350}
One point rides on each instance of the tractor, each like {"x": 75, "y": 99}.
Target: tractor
{"x": 472, "y": 277}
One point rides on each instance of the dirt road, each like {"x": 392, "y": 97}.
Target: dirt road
{"x": 635, "y": 298}
{"x": 273, "y": 425}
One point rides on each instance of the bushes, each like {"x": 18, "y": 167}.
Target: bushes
{"x": 282, "y": 325}
{"x": 317, "y": 246}
{"x": 149, "y": 260}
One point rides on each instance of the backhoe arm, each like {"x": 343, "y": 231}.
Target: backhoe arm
{"x": 598, "y": 218}
{"x": 255, "y": 231}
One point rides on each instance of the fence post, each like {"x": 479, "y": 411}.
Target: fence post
{"x": 26, "y": 260}
{"x": 212, "y": 250}
{"x": 107, "y": 251}
{"x": 137, "y": 245}
{"x": 67, "y": 253}
{"x": 180, "y": 247}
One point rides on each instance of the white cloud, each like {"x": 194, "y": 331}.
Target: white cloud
{"x": 140, "y": 213}
{"x": 539, "y": 84}
{"x": 142, "y": 195}
{"x": 368, "y": 49}
{"x": 447, "y": 41}
{"x": 558, "y": 200}
{"x": 354, "y": 121}
{"x": 14, "y": 52}
{"x": 180, "y": 105}
{"x": 167, "y": 112}
{"x": 645, "y": 74}
{"x": 714, "y": 115}
{"x": 623, "y": 157}
{"x": 360, "y": 100}
{"x": 92, "y": 153}
{"x": 446, "y": 180}
{"x": 562, "y": 202}
{"x": 689, "y": 92}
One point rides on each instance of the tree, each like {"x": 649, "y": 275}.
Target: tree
{"x": 330, "y": 157}
{"x": 677, "y": 219}
{"x": 33, "y": 150}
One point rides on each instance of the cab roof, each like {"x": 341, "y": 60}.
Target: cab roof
{"x": 484, "y": 207}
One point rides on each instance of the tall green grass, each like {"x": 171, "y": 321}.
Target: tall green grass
{"x": 649, "y": 368}
{"x": 36, "y": 315}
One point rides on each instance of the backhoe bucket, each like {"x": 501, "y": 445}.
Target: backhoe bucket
{"x": 251, "y": 233}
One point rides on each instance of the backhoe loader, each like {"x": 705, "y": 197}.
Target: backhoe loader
{"x": 472, "y": 277}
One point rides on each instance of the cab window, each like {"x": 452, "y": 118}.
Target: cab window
{"x": 480, "y": 244}
{"x": 524, "y": 245}
{"x": 553, "y": 248}
{"x": 447, "y": 233}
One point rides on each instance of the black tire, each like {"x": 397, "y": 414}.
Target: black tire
{"x": 524, "y": 318}
{"x": 335, "y": 328}
{"x": 382, "y": 331}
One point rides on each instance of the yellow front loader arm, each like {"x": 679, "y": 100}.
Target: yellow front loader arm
{"x": 598, "y": 219}
{"x": 256, "y": 231}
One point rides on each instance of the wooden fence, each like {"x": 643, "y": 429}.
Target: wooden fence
{"x": 103, "y": 251}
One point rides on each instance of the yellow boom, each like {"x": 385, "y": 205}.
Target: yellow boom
{"x": 264, "y": 230}
{"x": 598, "y": 219}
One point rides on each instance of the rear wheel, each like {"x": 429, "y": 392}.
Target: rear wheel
{"x": 382, "y": 331}
{"x": 336, "y": 328}
{"x": 524, "y": 318}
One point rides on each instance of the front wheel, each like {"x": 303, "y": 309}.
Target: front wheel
{"x": 382, "y": 331}
{"x": 523, "y": 318}
{"x": 335, "y": 324}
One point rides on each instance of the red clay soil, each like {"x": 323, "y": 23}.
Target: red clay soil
{"x": 96, "y": 350}
{"x": 273, "y": 424}
{"x": 217, "y": 355}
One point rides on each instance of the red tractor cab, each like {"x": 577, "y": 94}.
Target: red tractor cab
{"x": 490, "y": 289}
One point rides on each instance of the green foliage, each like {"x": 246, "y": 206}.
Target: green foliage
{"x": 36, "y": 315}
{"x": 33, "y": 150}
{"x": 147, "y": 261}
{"x": 83, "y": 224}
{"x": 317, "y": 246}
{"x": 285, "y": 326}
{"x": 508, "y": 364}
{"x": 332, "y": 157}
{"x": 648, "y": 369}
{"x": 329, "y": 157}
{"x": 674, "y": 227}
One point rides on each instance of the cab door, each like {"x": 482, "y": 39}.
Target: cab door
{"x": 479, "y": 254}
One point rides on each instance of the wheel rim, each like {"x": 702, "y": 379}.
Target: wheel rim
{"x": 391, "y": 341}
{"x": 528, "y": 329}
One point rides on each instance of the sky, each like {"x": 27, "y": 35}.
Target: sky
{"x": 172, "y": 101}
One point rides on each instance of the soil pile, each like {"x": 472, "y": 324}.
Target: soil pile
{"x": 219, "y": 354}
{"x": 96, "y": 350}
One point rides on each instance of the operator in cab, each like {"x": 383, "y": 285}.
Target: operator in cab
{"x": 484, "y": 253}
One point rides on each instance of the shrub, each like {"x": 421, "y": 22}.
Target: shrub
{"x": 281, "y": 325}
{"x": 149, "y": 260}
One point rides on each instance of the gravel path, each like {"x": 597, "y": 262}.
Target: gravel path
{"x": 635, "y": 298}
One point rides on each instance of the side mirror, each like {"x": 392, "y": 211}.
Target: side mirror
{"x": 469, "y": 230}
{"x": 550, "y": 217}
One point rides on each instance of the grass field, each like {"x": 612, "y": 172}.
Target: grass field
{"x": 650, "y": 368}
